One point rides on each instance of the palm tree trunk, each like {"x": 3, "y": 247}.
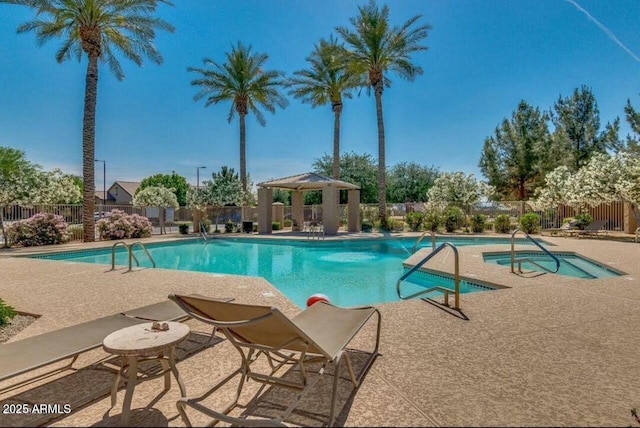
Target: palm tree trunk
{"x": 337, "y": 113}
{"x": 88, "y": 150}
{"x": 382, "y": 177}
{"x": 243, "y": 153}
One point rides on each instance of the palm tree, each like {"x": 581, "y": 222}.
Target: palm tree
{"x": 376, "y": 49}
{"x": 327, "y": 80}
{"x": 96, "y": 28}
{"x": 244, "y": 82}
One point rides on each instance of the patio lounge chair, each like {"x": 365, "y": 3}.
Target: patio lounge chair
{"x": 319, "y": 334}
{"x": 595, "y": 228}
{"x": 567, "y": 229}
{"x": 28, "y": 354}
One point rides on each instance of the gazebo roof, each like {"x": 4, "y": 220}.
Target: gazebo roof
{"x": 307, "y": 181}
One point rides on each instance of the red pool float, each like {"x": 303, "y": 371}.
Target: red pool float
{"x": 318, "y": 297}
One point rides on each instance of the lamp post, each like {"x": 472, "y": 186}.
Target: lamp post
{"x": 198, "y": 175}
{"x": 104, "y": 183}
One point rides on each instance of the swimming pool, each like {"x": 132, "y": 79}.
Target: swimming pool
{"x": 349, "y": 272}
{"x": 571, "y": 264}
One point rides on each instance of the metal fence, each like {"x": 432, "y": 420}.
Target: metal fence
{"x": 612, "y": 213}
{"x": 72, "y": 214}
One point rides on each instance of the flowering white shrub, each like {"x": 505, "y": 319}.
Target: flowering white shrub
{"x": 55, "y": 187}
{"x": 155, "y": 196}
{"x": 120, "y": 225}
{"x": 603, "y": 179}
{"x": 40, "y": 229}
{"x": 457, "y": 188}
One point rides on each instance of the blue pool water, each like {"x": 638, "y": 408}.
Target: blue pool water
{"x": 571, "y": 264}
{"x": 350, "y": 273}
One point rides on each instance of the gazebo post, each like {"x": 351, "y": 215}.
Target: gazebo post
{"x": 330, "y": 209}
{"x": 265, "y": 198}
{"x": 297, "y": 209}
{"x": 353, "y": 221}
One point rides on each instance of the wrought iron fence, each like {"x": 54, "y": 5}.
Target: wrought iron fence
{"x": 613, "y": 213}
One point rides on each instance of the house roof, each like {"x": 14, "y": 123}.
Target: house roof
{"x": 128, "y": 186}
{"x": 100, "y": 194}
{"x": 306, "y": 181}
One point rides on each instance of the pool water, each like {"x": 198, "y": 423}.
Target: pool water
{"x": 571, "y": 264}
{"x": 350, "y": 273}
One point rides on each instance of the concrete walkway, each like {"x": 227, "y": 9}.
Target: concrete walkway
{"x": 547, "y": 351}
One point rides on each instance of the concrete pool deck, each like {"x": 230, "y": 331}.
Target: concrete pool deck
{"x": 547, "y": 351}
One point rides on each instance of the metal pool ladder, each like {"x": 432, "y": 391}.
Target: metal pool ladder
{"x": 520, "y": 261}
{"x": 444, "y": 290}
{"x": 132, "y": 256}
{"x": 433, "y": 240}
{"x": 203, "y": 231}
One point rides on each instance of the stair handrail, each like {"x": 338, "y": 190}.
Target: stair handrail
{"x": 433, "y": 240}
{"x": 203, "y": 231}
{"x": 446, "y": 291}
{"x": 113, "y": 255}
{"x": 537, "y": 244}
{"x": 153, "y": 262}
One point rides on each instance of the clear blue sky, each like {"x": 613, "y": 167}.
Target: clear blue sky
{"x": 484, "y": 56}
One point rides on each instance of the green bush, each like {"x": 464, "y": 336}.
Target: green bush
{"x": 207, "y": 224}
{"x": 530, "y": 223}
{"x": 6, "y": 313}
{"x": 414, "y": 220}
{"x": 502, "y": 224}
{"x": 120, "y": 225}
{"x": 477, "y": 223}
{"x": 183, "y": 228}
{"x": 453, "y": 219}
{"x": 367, "y": 226}
{"x": 228, "y": 226}
{"x": 40, "y": 229}
{"x": 275, "y": 225}
{"x": 395, "y": 225}
{"x": 432, "y": 220}
{"x": 288, "y": 223}
{"x": 583, "y": 220}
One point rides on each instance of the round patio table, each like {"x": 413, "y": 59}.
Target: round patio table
{"x": 140, "y": 343}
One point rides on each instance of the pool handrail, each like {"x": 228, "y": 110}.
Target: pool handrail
{"x": 113, "y": 255}
{"x": 444, "y": 290}
{"x": 520, "y": 261}
{"x": 203, "y": 231}
{"x": 153, "y": 262}
{"x": 433, "y": 241}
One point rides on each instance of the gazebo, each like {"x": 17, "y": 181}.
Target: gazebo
{"x": 305, "y": 182}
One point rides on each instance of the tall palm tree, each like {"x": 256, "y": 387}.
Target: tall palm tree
{"x": 244, "y": 82}
{"x": 327, "y": 80}
{"x": 376, "y": 49}
{"x": 96, "y": 28}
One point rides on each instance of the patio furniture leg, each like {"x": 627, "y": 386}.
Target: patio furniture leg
{"x": 132, "y": 375}
{"x": 174, "y": 370}
{"x": 166, "y": 367}
{"x": 116, "y": 383}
